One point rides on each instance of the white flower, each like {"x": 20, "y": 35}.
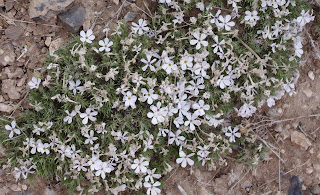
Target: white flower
{"x": 43, "y": 148}
{"x": 104, "y": 168}
{"x": 94, "y": 162}
{"x": 203, "y": 156}
{"x": 74, "y": 86}
{"x": 169, "y": 66}
{"x": 200, "y": 40}
{"x": 246, "y": 110}
{"x": 69, "y": 116}
{"x": 139, "y": 166}
{"x": 163, "y": 132}
{"x": 87, "y": 36}
{"x": 12, "y": 129}
{"x": 90, "y": 137}
{"x": 158, "y": 114}
{"x": 184, "y": 159}
{"x": 141, "y": 27}
{"x": 165, "y": 1}
{"x": 179, "y": 19}
{"x": 37, "y": 130}
{"x": 34, "y": 83}
{"x": 151, "y": 175}
{"x": 217, "y": 45}
{"x": 200, "y": 108}
{"x": 105, "y": 45}
{"x": 251, "y": 16}
{"x": 149, "y": 95}
{"x": 148, "y": 63}
{"x": 186, "y": 62}
{"x": 224, "y": 81}
{"x": 192, "y": 121}
{"x": 289, "y": 88}
{"x": 233, "y": 133}
{"x": 298, "y": 48}
{"x": 130, "y": 100}
{"x": 176, "y": 137}
{"x": 89, "y": 114}
{"x": 214, "y": 20}
{"x": 152, "y": 187}
{"x": 137, "y": 48}
{"x": 305, "y": 18}
{"x": 271, "y": 102}
{"x": 224, "y": 22}
{"x": 80, "y": 165}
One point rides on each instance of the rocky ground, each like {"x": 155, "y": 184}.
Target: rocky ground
{"x": 29, "y": 29}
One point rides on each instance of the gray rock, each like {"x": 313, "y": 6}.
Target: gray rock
{"x": 295, "y": 186}
{"x": 130, "y": 16}
{"x": 73, "y": 19}
{"x": 315, "y": 189}
{"x": 14, "y": 32}
{"x": 46, "y": 9}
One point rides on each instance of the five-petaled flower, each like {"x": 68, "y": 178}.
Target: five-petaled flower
{"x": 199, "y": 40}
{"x": 232, "y": 134}
{"x": 89, "y": 114}
{"x": 139, "y": 166}
{"x": 34, "y": 83}
{"x": 69, "y": 116}
{"x": 105, "y": 45}
{"x": 141, "y": 28}
{"x": 12, "y": 129}
{"x": 130, "y": 100}
{"x": 184, "y": 159}
{"x": 87, "y": 36}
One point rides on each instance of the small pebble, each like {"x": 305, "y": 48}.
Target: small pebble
{"x": 315, "y": 189}
{"x": 311, "y": 75}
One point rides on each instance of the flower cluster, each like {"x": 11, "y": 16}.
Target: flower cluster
{"x": 161, "y": 90}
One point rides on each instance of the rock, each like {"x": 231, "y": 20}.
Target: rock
{"x": 5, "y": 108}
{"x": 14, "y": 32}
{"x": 300, "y": 139}
{"x": 7, "y": 55}
{"x": 295, "y": 186}
{"x": 9, "y": 87}
{"x": 55, "y": 44}
{"x": 309, "y": 170}
{"x": 1, "y": 99}
{"x": 4, "y": 190}
{"x": 116, "y": 2}
{"x": 307, "y": 92}
{"x": 49, "y": 192}
{"x": 315, "y": 189}
{"x": 311, "y": 75}
{"x": 130, "y": 16}
{"x": 48, "y": 41}
{"x": 18, "y": 73}
{"x": 46, "y": 9}
{"x": 1, "y": 3}
{"x": 74, "y": 18}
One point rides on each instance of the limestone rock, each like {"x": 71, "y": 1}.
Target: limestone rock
{"x": 5, "y": 108}
{"x": 7, "y": 55}
{"x": 73, "y": 19}
{"x": 9, "y": 87}
{"x": 55, "y": 44}
{"x": 300, "y": 139}
{"x": 14, "y": 32}
{"x": 46, "y": 9}
{"x": 315, "y": 189}
{"x": 311, "y": 75}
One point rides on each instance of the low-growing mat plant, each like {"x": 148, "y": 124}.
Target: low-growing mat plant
{"x": 117, "y": 113}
